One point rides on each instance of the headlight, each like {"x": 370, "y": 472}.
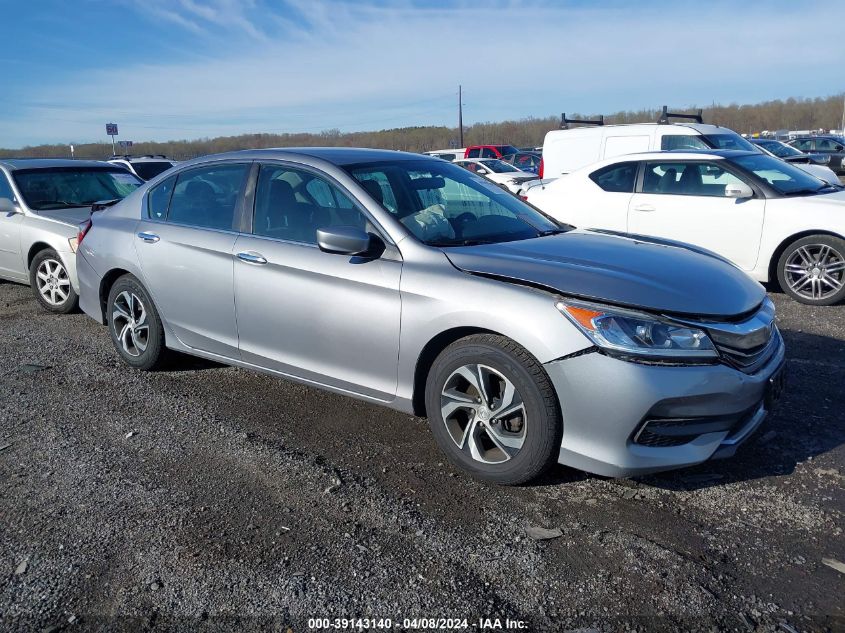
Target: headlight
{"x": 631, "y": 333}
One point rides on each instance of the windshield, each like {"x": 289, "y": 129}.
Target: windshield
{"x": 66, "y": 187}
{"x": 504, "y": 150}
{"x": 498, "y": 166}
{"x": 781, "y": 150}
{"x": 151, "y": 169}
{"x": 443, "y": 204}
{"x": 785, "y": 178}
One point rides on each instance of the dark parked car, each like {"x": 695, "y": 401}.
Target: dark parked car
{"x": 829, "y": 144}
{"x": 525, "y": 161}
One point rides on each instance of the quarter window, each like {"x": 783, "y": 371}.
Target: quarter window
{"x": 616, "y": 178}
{"x": 207, "y": 197}
{"x": 291, "y": 204}
{"x": 687, "y": 179}
{"x": 159, "y": 199}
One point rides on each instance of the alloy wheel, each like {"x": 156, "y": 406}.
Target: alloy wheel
{"x": 484, "y": 413}
{"x": 129, "y": 320}
{"x": 815, "y": 271}
{"x": 52, "y": 282}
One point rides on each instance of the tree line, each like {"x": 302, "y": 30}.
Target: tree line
{"x": 792, "y": 113}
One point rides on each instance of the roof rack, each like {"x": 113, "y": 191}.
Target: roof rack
{"x": 564, "y": 122}
{"x": 665, "y": 115}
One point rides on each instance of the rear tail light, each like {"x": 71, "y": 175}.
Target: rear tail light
{"x": 540, "y": 169}
{"x": 522, "y": 196}
{"x": 84, "y": 227}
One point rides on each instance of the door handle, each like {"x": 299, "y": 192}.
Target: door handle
{"x": 645, "y": 208}
{"x": 149, "y": 238}
{"x": 252, "y": 258}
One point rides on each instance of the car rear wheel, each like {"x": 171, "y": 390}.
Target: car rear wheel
{"x": 51, "y": 284}
{"x": 493, "y": 410}
{"x": 134, "y": 324}
{"x": 812, "y": 270}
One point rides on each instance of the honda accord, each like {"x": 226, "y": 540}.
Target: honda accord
{"x": 413, "y": 283}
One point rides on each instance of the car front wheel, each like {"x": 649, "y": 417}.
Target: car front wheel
{"x": 134, "y": 324}
{"x": 493, "y": 410}
{"x": 51, "y": 284}
{"x": 812, "y": 270}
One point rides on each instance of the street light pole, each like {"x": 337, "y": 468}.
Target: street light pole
{"x": 460, "y": 118}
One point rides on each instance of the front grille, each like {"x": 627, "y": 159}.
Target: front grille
{"x": 746, "y": 345}
{"x": 750, "y": 359}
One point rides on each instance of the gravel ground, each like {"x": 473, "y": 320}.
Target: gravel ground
{"x": 210, "y": 498}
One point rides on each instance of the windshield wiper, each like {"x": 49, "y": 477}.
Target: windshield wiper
{"x": 59, "y": 204}
{"x": 552, "y": 232}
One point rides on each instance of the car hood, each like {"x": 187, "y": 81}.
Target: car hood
{"x": 628, "y": 270}
{"x": 71, "y": 216}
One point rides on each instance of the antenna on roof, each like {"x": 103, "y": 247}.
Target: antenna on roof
{"x": 564, "y": 122}
{"x": 665, "y": 115}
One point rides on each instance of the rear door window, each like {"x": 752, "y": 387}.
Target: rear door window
{"x": 489, "y": 152}
{"x": 618, "y": 178}
{"x": 207, "y": 197}
{"x": 474, "y": 153}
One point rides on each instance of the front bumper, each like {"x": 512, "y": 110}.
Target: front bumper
{"x": 605, "y": 402}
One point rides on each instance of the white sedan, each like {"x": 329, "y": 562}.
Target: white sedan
{"x": 769, "y": 218}
{"x": 498, "y": 171}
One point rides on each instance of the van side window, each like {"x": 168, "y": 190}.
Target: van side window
{"x": 616, "y": 178}
{"x": 682, "y": 141}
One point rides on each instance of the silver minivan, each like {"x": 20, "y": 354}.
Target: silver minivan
{"x": 409, "y": 282}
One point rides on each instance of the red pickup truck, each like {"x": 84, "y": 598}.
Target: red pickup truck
{"x": 489, "y": 151}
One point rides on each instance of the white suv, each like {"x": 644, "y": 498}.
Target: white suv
{"x": 568, "y": 149}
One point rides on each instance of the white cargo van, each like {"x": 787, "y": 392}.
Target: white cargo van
{"x": 568, "y": 149}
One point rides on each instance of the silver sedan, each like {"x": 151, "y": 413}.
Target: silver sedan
{"x": 412, "y": 283}
{"x": 42, "y": 202}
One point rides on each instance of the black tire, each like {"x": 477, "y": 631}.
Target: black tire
{"x": 543, "y": 423}
{"x": 153, "y": 355}
{"x": 48, "y": 263}
{"x": 789, "y": 279}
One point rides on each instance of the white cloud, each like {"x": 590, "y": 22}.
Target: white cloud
{"x": 321, "y": 65}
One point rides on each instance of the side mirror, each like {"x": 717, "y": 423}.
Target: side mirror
{"x": 481, "y": 171}
{"x": 7, "y": 207}
{"x": 344, "y": 240}
{"x": 819, "y": 159}
{"x": 738, "y": 190}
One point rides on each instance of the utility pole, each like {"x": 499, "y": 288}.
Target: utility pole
{"x": 460, "y": 118}
{"x": 842, "y": 127}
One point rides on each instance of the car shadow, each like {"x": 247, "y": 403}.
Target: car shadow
{"x": 808, "y": 422}
{"x": 184, "y": 363}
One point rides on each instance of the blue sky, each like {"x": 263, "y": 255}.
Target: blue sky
{"x": 174, "y": 69}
